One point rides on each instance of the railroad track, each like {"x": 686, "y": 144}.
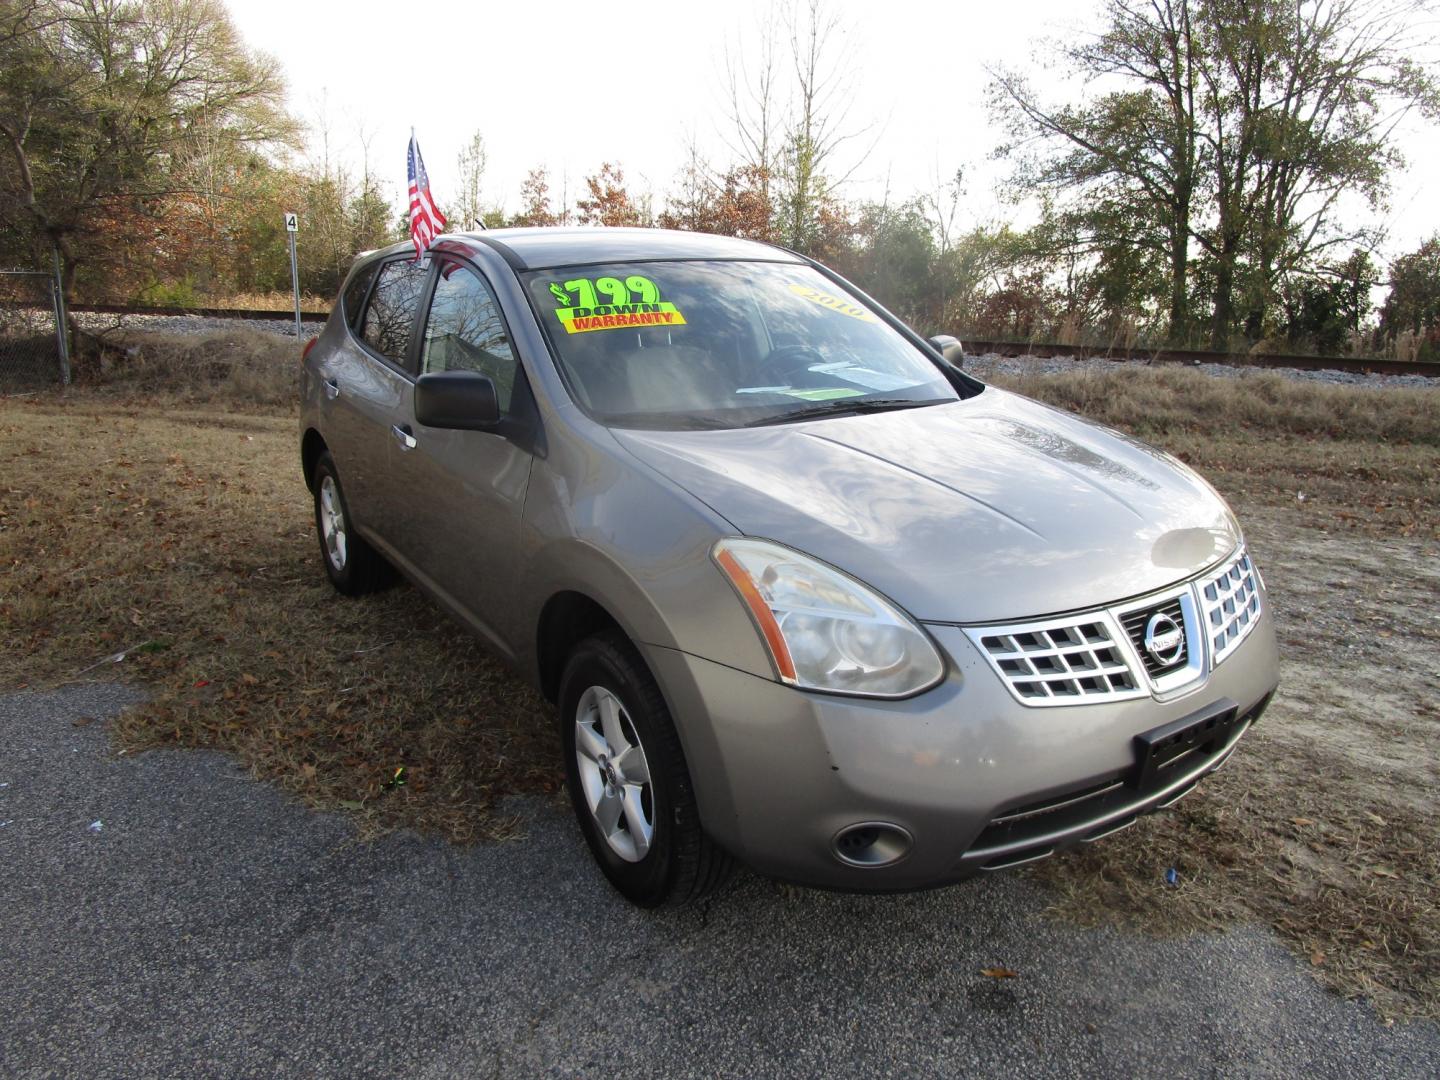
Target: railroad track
{"x": 1193, "y": 357}
{"x": 1189, "y": 357}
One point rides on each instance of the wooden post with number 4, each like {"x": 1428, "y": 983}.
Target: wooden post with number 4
{"x": 292, "y": 226}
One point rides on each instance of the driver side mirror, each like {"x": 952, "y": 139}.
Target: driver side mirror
{"x": 462, "y": 400}
{"x": 950, "y": 348}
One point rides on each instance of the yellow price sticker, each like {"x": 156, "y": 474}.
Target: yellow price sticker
{"x": 581, "y": 320}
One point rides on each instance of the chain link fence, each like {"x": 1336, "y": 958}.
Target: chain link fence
{"x": 33, "y": 352}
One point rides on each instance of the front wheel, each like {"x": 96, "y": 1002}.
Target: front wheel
{"x": 628, "y": 780}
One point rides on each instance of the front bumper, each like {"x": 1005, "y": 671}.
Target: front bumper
{"x": 978, "y": 780}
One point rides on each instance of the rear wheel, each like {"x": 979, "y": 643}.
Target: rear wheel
{"x": 353, "y": 566}
{"x": 628, "y": 780}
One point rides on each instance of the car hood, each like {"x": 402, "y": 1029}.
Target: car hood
{"x": 988, "y": 509}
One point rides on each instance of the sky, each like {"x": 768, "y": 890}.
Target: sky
{"x": 569, "y": 86}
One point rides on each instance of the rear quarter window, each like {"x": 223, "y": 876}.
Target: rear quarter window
{"x": 354, "y": 297}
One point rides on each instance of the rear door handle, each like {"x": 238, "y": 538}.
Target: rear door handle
{"x": 403, "y": 437}
{"x": 332, "y": 389}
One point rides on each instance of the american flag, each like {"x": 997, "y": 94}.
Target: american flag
{"x": 426, "y": 221}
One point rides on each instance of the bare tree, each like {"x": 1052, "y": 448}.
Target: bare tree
{"x": 789, "y": 94}
{"x": 941, "y": 204}
{"x": 818, "y": 127}
{"x": 688, "y": 206}
{"x": 756, "y": 110}
{"x": 471, "y": 162}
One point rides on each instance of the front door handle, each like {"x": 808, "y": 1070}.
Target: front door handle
{"x": 332, "y": 389}
{"x": 403, "y": 437}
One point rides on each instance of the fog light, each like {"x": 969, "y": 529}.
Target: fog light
{"x": 872, "y": 843}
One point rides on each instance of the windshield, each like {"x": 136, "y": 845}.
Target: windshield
{"x": 724, "y": 344}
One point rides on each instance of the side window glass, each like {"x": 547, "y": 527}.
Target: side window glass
{"x": 355, "y": 293}
{"x": 392, "y": 308}
{"x": 465, "y": 331}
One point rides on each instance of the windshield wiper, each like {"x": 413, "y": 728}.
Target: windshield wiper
{"x": 842, "y": 406}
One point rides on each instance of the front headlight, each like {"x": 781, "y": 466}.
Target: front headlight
{"x": 824, "y": 630}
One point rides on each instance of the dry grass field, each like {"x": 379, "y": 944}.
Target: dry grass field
{"x": 240, "y": 368}
{"x": 275, "y": 300}
{"x": 156, "y": 528}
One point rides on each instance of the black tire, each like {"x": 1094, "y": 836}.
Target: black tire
{"x": 682, "y": 863}
{"x": 354, "y": 568}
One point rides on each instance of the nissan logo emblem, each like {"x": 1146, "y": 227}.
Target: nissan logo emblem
{"x": 1164, "y": 640}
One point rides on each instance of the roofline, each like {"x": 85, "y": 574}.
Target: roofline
{"x": 496, "y": 241}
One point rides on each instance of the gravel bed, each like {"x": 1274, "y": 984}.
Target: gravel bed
{"x": 190, "y": 324}
{"x": 992, "y": 364}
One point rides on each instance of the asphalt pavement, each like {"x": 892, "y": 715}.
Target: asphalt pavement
{"x": 164, "y": 915}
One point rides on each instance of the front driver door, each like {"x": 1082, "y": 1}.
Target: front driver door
{"x": 460, "y": 494}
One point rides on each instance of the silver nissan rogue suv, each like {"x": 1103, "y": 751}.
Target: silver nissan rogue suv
{"x": 805, "y": 594}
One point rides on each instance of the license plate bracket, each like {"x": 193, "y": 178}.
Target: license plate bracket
{"x": 1206, "y": 730}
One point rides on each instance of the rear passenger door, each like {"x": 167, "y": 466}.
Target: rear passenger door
{"x": 462, "y": 493}
{"x": 372, "y": 381}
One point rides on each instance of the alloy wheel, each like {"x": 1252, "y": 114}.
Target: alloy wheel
{"x": 614, "y": 774}
{"x": 332, "y": 523}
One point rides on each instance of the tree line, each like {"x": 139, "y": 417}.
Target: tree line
{"x": 1207, "y": 184}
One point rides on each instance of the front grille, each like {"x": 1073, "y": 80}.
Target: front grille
{"x": 1060, "y": 663}
{"x": 1135, "y": 623}
{"x": 1231, "y": 605}
{"x": 1100, "y": 655}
